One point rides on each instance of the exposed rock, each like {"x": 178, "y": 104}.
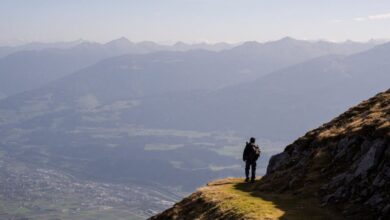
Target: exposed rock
{"x": 277, "y": 161}
{"x": 366, "y": 163}
{"x": 386, "y": 210}
{"x": 374, "y": 201}
{"x": 346, "y": 162}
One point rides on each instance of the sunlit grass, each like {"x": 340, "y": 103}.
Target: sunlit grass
{"x": 242, "y": 198}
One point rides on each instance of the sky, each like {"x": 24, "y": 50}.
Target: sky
{"x": 168, "y": 21}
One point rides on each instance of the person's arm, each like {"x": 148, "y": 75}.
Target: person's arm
{"x": 245, "y": 154}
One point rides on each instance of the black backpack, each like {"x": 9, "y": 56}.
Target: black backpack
{"x": 255, "y": 152}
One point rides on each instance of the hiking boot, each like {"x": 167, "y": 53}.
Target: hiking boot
{"x": 247, "y": 180}
{"x": 252, "y": 180}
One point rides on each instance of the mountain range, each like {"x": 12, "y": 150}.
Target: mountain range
{"x": 31, "y": 66}
{"x": 165, "y": 121}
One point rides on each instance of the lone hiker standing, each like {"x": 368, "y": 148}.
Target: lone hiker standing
{"x": 250, "y": 156}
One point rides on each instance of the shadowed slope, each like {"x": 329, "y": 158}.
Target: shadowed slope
{"x": 346, "y": 161}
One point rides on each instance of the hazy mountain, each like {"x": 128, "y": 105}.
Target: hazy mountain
{"x": 180, "y": 118}
{"x": 289, "y": 97}
{"x": 26, "y": 70}
{"x": 195, "y": 79}
{"x": 33, "y": 65}
{"x": 181, "y": 46}
{"x": 283, "y": 97}
{"x": 189, "y": 85}
{"x": 118, "y": 44}
{"x": 7, "y": 50}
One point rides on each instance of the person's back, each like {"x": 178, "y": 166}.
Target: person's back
{"x": 250, "y": 156}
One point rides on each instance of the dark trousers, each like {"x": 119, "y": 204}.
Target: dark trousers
{"x": 250, "y": 165}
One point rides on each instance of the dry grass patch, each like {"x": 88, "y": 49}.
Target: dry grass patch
{"x": 233, "y": 195}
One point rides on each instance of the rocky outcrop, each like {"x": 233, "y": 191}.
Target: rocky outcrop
{"x": 346, "y": 162}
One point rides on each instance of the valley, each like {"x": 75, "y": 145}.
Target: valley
{"x": 130, "y": 135}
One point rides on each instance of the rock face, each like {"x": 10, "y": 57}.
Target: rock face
{"x": 346, "y": 162}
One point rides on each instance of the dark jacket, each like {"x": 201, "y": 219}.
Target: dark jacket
{"x": 249, "y": 153}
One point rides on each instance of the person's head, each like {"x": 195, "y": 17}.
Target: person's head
{"x": 252, "y": 140}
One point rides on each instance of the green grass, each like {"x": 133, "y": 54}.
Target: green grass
{"x": 13, "y": 208}
{"x": 21, "y": 211}
{"x": 243, "y": 199}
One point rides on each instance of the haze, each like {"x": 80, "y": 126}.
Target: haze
{"x": 119, "y": 109}
{"x": 191, "y": 21}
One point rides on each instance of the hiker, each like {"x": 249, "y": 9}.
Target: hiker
{"x": 250, "y": 156}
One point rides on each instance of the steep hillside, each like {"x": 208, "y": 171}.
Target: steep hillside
{"x": 232, "y": 199}
{"x": 341, "y": 167}
{"x": 346, "y": 161}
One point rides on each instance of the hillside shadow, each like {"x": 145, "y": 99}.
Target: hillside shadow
{"x": 293, "y": 207}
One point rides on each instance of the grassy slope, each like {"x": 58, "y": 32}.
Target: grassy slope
{"x": 233, "y": 195}
{"x": 258, "y": 205}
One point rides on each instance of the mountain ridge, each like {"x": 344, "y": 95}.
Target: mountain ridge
{"x": 346, "y": 161}
{"x": 43, "y": 63}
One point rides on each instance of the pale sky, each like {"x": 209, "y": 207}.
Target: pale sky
{"x": 193, "y": 20}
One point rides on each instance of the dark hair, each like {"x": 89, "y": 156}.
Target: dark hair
{"x": 252, "y": 140}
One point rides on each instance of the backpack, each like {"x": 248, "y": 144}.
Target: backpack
{"x": 254, "y": 153}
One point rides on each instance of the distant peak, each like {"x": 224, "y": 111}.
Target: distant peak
{"x": 349, "y": 41}
{"x": 287, "y": 39}
{"x": 250, "y": 44}
{"x": 121, "y": 40}
{"x": 180, "y": 43}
